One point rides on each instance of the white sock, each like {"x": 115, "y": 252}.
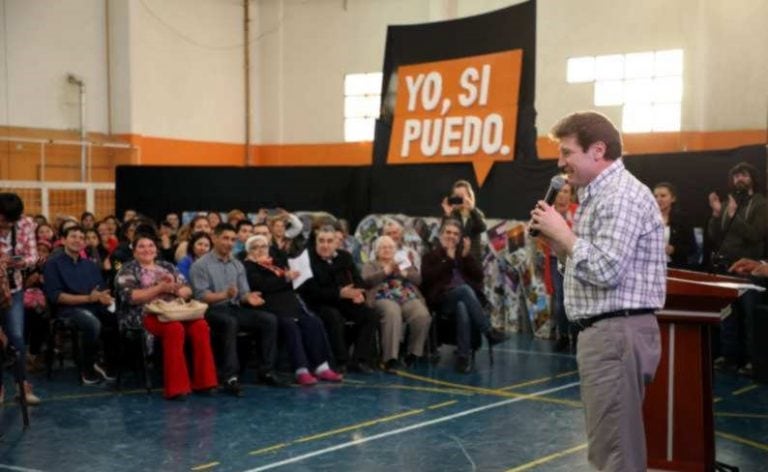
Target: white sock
{"x": 322, "y": 368}
{"x": 301, "y": 370}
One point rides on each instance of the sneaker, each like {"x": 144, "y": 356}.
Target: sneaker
{"x": 305, "y": 379}
{"x": 91, "y": 378}
{"x": 270, "y": 379}
{"x": 233, "y": 387}
{"x": 746, "y": 370}
{"x": 104, "y": 372}
{"x": 411, "y": 359}
{"x": 463, "y": 365}
{"x": 32, "y": 399}
{"x": 392, "y": 365}
{"x": 329, "y": 376}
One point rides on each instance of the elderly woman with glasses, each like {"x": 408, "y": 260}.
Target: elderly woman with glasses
{"x": 394, "y": 293}
{"x": 302, "y": 330}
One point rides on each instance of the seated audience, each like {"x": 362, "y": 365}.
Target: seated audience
{"x": 244, "y": 230}
{"x": 76, "y": 290}
{"x": 45, "y": 232}
{"x": 173, "y": 220}
{"x": 285, "y": 227}
{"x": 198, "y": 224}
{"x": 303, "y": 331}
{"x": 166, "y": 242}
{"x": 214, "y": 219}
{"x": 336, "y": 294}
{"x": 145, "y": 279}
{"x": 452, "y": 278}
{"x": 199, "y": 245}
{"x": 87, "y": 220}
{"x": 394, "y": 294}
{"x": 219, "y": 280}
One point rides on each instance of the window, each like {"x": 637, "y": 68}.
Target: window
{"x": 647, "y": 85}
{"x": 362, "y": 97}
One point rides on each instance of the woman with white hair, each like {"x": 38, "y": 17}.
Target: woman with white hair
{"x": 395, "y": 295}
{"x": 303, "y": 331}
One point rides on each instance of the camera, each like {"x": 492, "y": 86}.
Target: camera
{"x": 452, "y": 200}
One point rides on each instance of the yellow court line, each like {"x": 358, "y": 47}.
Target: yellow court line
{"x": 525, "y": 384}
{"x": 488, "y": 391}
{"x": 548, "y": 458}
{"x": 364, "y": 424}
{"x": 205, "y": 466}
{"x": 268, "y": 449}
{"x": 717, "y": 399}
{"x": 566, "y": 374}
{"x": 746, "y": 389}
{"x": 447, "y": 391}
{"x": 78, "y": 396}
{"x": 441, "y": 405}
{"x": 748, "y": 442}
{"x": 741, "y": 415}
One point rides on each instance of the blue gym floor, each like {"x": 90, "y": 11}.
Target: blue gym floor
{"x": 521, "y": 414}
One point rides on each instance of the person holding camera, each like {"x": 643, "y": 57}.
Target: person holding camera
{"x": 737, "y": 230}
{"x": 460, "y": 205}
{"x": 18, "y": 251}
{"x": 452, "y": 278}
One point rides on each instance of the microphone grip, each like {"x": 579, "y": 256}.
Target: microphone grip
{"x": 550, "y": 199}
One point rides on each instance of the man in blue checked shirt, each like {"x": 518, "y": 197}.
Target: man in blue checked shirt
{"x": 615, "y": 279}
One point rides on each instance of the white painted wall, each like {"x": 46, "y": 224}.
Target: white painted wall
{"x": 186, "y": 73}
{"x": 176, "y": 65}
{"x": 309, "y": 46}
{"x": 43, "y": 41}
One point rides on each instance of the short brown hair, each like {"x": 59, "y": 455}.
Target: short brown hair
{"x": 589, "y": 127}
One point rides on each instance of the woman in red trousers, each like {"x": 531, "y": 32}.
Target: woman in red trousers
{"x": 145, "y": 279}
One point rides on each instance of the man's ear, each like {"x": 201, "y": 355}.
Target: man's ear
{"x": 598, "y": 150}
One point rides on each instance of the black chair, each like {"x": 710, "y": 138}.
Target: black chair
{"x": 136, "y": 335}
{"x": 62, "y": 327}
{"x": 443, "y": 331}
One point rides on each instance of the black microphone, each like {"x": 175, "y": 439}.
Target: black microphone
{"x": 555, "y": 185}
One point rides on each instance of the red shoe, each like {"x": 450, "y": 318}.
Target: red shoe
{"x": 330, "y": 376}
{"x": 306, "y": 379}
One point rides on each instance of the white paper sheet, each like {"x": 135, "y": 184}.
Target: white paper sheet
{"x": 303, "y": 267}
{"x": 402, "y": 260}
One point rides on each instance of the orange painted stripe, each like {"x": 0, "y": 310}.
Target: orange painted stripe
{"x": 182, "y": 152}
{"x": 167, "y": 151}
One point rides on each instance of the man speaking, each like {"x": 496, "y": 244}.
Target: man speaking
{"x": 615, "y": 279}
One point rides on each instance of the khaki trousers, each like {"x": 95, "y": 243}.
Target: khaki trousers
{"x": 617, "y": 358}
{"x": 415, "y": 314}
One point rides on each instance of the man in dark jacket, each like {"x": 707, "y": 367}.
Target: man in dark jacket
{"x": 451, "y": 279}
{"x": 336, "y": 294}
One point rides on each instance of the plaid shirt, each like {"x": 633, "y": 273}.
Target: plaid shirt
{"x": 618, "y": 260}
{"x": 26, "y": 247}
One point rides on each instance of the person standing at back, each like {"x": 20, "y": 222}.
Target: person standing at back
{"x": 615, "y": 280}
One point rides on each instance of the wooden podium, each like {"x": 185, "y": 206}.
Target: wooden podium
{"x": 678, "y": 413}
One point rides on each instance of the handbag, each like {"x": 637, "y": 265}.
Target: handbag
{"x": 177, "y": 310}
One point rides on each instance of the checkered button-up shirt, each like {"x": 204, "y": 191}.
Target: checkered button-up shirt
{"x": 618, "y": 261}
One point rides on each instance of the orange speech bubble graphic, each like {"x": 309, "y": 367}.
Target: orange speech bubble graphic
{"x": 461, "y": 110}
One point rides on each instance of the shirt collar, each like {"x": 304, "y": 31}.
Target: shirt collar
{"x": 599, "y": 182}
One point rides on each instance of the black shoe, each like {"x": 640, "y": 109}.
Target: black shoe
{"x": 392, "y": 365}
{"x": 233, "y": 387}
{"x": 360, "y": 367}
{"x": 563, "y": 344}
{"x": 270, "y": 379}
{"x": 463, "y": 365}
{"x": 410, "y": 360}
{"x": 495, "y": 336}
{"x": 91, "y": 378}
